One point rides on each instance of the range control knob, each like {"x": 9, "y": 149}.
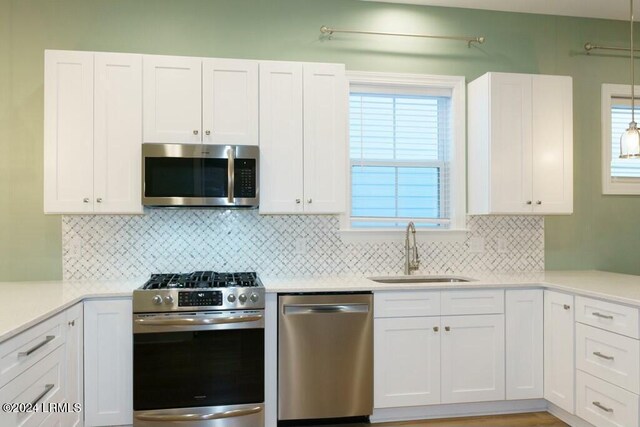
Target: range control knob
{"x": 157, "y": 299}
{"x": 242, "y": 298}
{"x": 254, "y": 297}
{"x": 231, "y": 298}
{"x": 168, "y": 299}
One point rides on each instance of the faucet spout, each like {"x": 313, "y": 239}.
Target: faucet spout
{"x": 411, "y": 257}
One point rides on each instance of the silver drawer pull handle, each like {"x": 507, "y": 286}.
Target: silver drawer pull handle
{"x": 601, "y": 406}
{"x": 190, "y": 321}
{"x": 602, "y": 316}
{"x": 47, "y": 389}
{"x": 603, "y": 356}
{"x": 198, "y": 417}
{"x": 37, "y": 346}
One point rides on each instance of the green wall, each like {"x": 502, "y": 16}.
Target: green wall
{"x": 603, "y": 232}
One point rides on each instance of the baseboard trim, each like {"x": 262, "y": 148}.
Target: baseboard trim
{"x": 457, "y": 410}
{"x": 566, "y": 417}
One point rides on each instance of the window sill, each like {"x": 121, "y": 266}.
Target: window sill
{"x": 382, "y": 236}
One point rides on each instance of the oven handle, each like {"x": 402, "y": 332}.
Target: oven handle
{"x": 199, "y": 417}
{"x": 192, "y": 321}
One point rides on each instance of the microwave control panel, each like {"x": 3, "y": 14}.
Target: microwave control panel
{"x": 245, "y": 178}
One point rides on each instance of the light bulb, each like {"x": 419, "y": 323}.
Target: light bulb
{"x": 630, "y": 142}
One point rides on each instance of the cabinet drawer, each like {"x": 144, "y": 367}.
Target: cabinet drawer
{"x": 603, "y": 404}
{"x": 22, "y": 351}
{"x": 472, "y": 302}
{"x": 42, "y": 383}
{"x": 406, "y": 303}
{"x": 610, "y": 316}
{"x": 609, "y": 356}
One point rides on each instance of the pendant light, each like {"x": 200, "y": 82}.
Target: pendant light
{"x": 630, "y": 140}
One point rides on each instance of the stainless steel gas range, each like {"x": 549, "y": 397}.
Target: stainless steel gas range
{"x": 198, "y": 350}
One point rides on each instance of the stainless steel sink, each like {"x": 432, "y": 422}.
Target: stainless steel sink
{"x": 421, "y": 279}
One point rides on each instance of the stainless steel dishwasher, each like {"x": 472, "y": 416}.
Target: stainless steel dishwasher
{"x": 325, "y": 356}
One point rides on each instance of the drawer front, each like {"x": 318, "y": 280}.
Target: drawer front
{"x": 406, "y": 303}
{"x": 24, "y": 350}
{"x": 603, "y": 404}
{"x": 610, "y": 316}
{"x": 489, "y": 301}
{"x": 608, "y": 356}
{"x": 40, "y": 384}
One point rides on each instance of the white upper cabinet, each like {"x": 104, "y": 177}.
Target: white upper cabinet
{"x": 520, "y": 144}
{"x": 200, "y": 100}
{"x": 303, "y": 144}
{"x": 172, "y": 99}
{"x": 93, "y": 132}
{"x": 230, "y": 101}
{"x": 68, "y": 132}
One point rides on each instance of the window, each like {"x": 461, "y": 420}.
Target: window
{"x": 619, "y": 176}
{"x": 406, "y": 149}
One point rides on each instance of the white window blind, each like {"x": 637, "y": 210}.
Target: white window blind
{"x": 400, "y": 150}
{"x": 622, "y": 169}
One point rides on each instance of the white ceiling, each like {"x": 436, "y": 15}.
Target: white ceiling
{"x": 607, "y": 9}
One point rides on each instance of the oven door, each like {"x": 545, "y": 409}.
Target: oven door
{"x": 200, "y": 369}
{"x": 199, "y": 175}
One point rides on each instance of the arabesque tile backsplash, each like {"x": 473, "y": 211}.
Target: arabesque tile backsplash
{"x": 182, "y": 240}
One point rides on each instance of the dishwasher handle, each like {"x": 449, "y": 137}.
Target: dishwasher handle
{"x": 325, "y": 308}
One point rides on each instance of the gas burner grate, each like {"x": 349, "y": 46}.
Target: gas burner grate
{"x": 202, "y": 279}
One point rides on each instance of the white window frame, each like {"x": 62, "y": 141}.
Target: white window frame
{"x": 457, "y": 177}
{"x": 609, "y": 185}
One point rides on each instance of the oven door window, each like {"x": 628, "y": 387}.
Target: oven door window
{"x": 200, "y": 368}
{"x": 185, "y": 177}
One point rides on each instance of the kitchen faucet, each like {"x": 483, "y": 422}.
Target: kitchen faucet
{"x": 411, "y": 259}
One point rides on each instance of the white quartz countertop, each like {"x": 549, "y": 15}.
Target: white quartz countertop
{"x": 27, "y": 303}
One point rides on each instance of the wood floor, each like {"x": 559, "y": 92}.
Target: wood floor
{"x": 537, "y": 419}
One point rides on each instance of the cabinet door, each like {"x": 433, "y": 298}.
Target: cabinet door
{"x": 118, "y": 133}
{"x": 472, "y": 358}
{"x": 552, "y": 129}
{"x": 559, "y": 373}
{"x": 524, "y": 344}
{"x": 281, "y": 157}
{"x": 172, "y": 99}
{"x": 406, "y": 361}
{"x": 68, "y": 132}
{"x": 510, "y": 128}
{"x": 108, "y": 363}
{"x": 74, "y": 364}
{"x": 230, "y": 101}
{"x": 325, "y": 138}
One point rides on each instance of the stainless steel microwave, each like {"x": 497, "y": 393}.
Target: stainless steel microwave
{"x": 200, "y": 175}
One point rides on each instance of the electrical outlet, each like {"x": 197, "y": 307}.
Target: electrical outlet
{"x": 502, "y": 245}
{"x": 476, "y": 245}
{"x": 300, "y": 246}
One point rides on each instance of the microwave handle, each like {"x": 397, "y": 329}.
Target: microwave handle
{"x": 230, "y": 174}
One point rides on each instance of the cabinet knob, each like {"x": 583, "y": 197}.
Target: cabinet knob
{"x": 447, "y": 328}
{"x": 309, "y": 200}
{"x": 85, "y": 200}
{"x": 298, "y": 201}
{"x": 539, "y": 202}
{"x": 528, "y": 202}
{"x": 207, "y": 132}
{"x": 436, "y": 329}
{"x": 99, "y": 200}
{"x": 567, "y": 307}
{"x": 72, "y": 323}
{"x": 195, "y": 132}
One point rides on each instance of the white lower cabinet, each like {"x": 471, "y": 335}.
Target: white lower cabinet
{"x": 108, "y": 366}
{"x": 407, "y": 361}
{"x": 472, "y": 358}
{"x": 559, "y": 369}
{"x": 74, "y": 366}
{"x": 426, "y": 360}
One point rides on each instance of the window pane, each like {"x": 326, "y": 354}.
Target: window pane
{"x": 620, "y": 118}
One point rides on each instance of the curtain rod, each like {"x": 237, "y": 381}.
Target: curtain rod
{"x": 326, "y": 30}
{"x": 588, "y": 46}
